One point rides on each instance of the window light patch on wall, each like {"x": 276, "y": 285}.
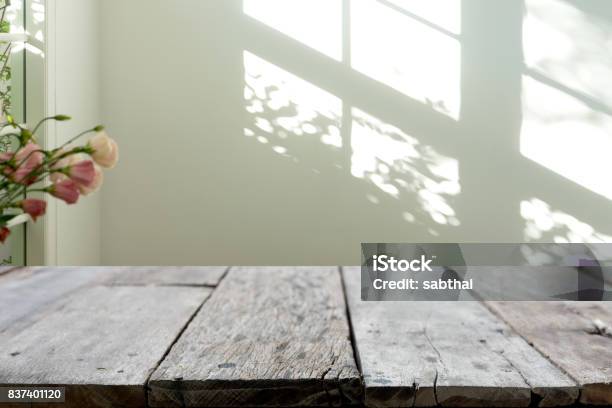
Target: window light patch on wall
{"x": 315, "y": 23}
{"x": 407, "y": 53}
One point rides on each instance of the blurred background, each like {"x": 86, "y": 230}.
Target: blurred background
{"x": 273, "y": 132}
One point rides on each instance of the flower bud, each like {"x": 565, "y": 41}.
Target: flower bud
{"x": 4, "y": 234}
{"x": 35, "y": 208}
{"x": 95, "y": 184}
{"x": 27, "y": 161}
{"x": 82, "y": 173}
{"x": 66, "y": 190}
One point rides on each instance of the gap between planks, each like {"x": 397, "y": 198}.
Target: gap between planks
{"x": 350, "y": 324}
{"x": 180, "y": 333}
{"x": 162, "y": 285}
{"x": 82, "y": 279}
{"x": 287, "y": 313}
{"x": 388, "y": 386}
{"x": 564, "y": 332}
{"x": 496, "y": 313}
{"x": 349, "y": 317}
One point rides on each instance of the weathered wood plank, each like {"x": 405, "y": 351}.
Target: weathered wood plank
{"x": 167, "y": 275}
{"x": 101, "y": 343}
{"x": 447, "y": 353}
{"x": 28, "y": 291}
{"x": 267, "y": 337}
{"x": 566, "y": 333}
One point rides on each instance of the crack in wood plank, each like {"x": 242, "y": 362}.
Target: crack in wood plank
{"x": 460, "y": 352}
{"x": 435, "y": 388}
{"x": 288, "y": 344}
{"x": 180, "y": 333}
{"x": 101, "y": 343}
{"x": 559, "y": 331}
{"x": 343, "y": 371}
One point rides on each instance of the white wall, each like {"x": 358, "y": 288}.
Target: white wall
{"x": 75, "y": 84}
{"x": 387, "y": 150}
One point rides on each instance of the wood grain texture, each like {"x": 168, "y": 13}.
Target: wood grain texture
{"x": 565, "y": 333}
{"x": 102, "y": 343}
{"x": 26, "y": 292}
{"x": 267, "y": 337}
{"x": 167, "y": 275}
{"x": 447, "y": 353}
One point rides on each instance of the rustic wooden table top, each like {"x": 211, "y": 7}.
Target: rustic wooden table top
{"x": 288, "y": 337}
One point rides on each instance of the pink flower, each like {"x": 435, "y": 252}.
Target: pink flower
{"x": 66, "y": 190}
{"x": 5, "y": 157}
{"x": 82, "y": 173}
{"x": 35, "y": 208}
{"x": 27, "y": 161}
{"x": 4, "y": 234}
{"x": 95, "y": 184}
{"x": 105, "y": 150}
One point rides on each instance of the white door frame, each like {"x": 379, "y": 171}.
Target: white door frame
{"x": 41, "y": 248}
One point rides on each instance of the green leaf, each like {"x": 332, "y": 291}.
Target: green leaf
{"x": 5, "y": 27}
{"x": 4, "y": 219}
